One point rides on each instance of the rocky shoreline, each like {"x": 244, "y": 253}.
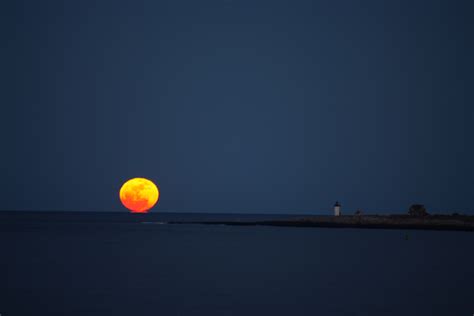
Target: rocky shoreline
{"x": 432, "y": 222}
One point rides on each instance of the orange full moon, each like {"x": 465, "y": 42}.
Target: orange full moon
{"x": 139, "y": 195}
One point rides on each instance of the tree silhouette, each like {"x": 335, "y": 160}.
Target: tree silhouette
{"x": 417, "y": 210}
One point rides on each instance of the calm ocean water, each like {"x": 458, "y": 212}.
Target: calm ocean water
{"x": 107, "y": 264}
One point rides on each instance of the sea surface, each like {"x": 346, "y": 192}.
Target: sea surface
{"x": 125, "y": 264}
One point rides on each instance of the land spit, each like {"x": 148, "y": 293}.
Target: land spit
{"x": 432, "y": 222}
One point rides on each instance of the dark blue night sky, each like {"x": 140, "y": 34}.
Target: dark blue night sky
{"x": 238, "y": 106}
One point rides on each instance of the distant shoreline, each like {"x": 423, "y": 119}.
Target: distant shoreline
{"x": 435, "y": 222}
{"x": 453, "y": 222}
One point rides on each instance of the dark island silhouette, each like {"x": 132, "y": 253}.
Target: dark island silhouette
{"x": 416, "y": 218}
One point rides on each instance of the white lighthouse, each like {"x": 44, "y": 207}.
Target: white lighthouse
{"x": 337, "y": 209}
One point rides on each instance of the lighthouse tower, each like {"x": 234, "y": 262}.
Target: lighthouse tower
{"x": 337, "y": 209}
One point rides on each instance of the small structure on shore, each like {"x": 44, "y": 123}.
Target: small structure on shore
{"x": 337, "y": 209}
